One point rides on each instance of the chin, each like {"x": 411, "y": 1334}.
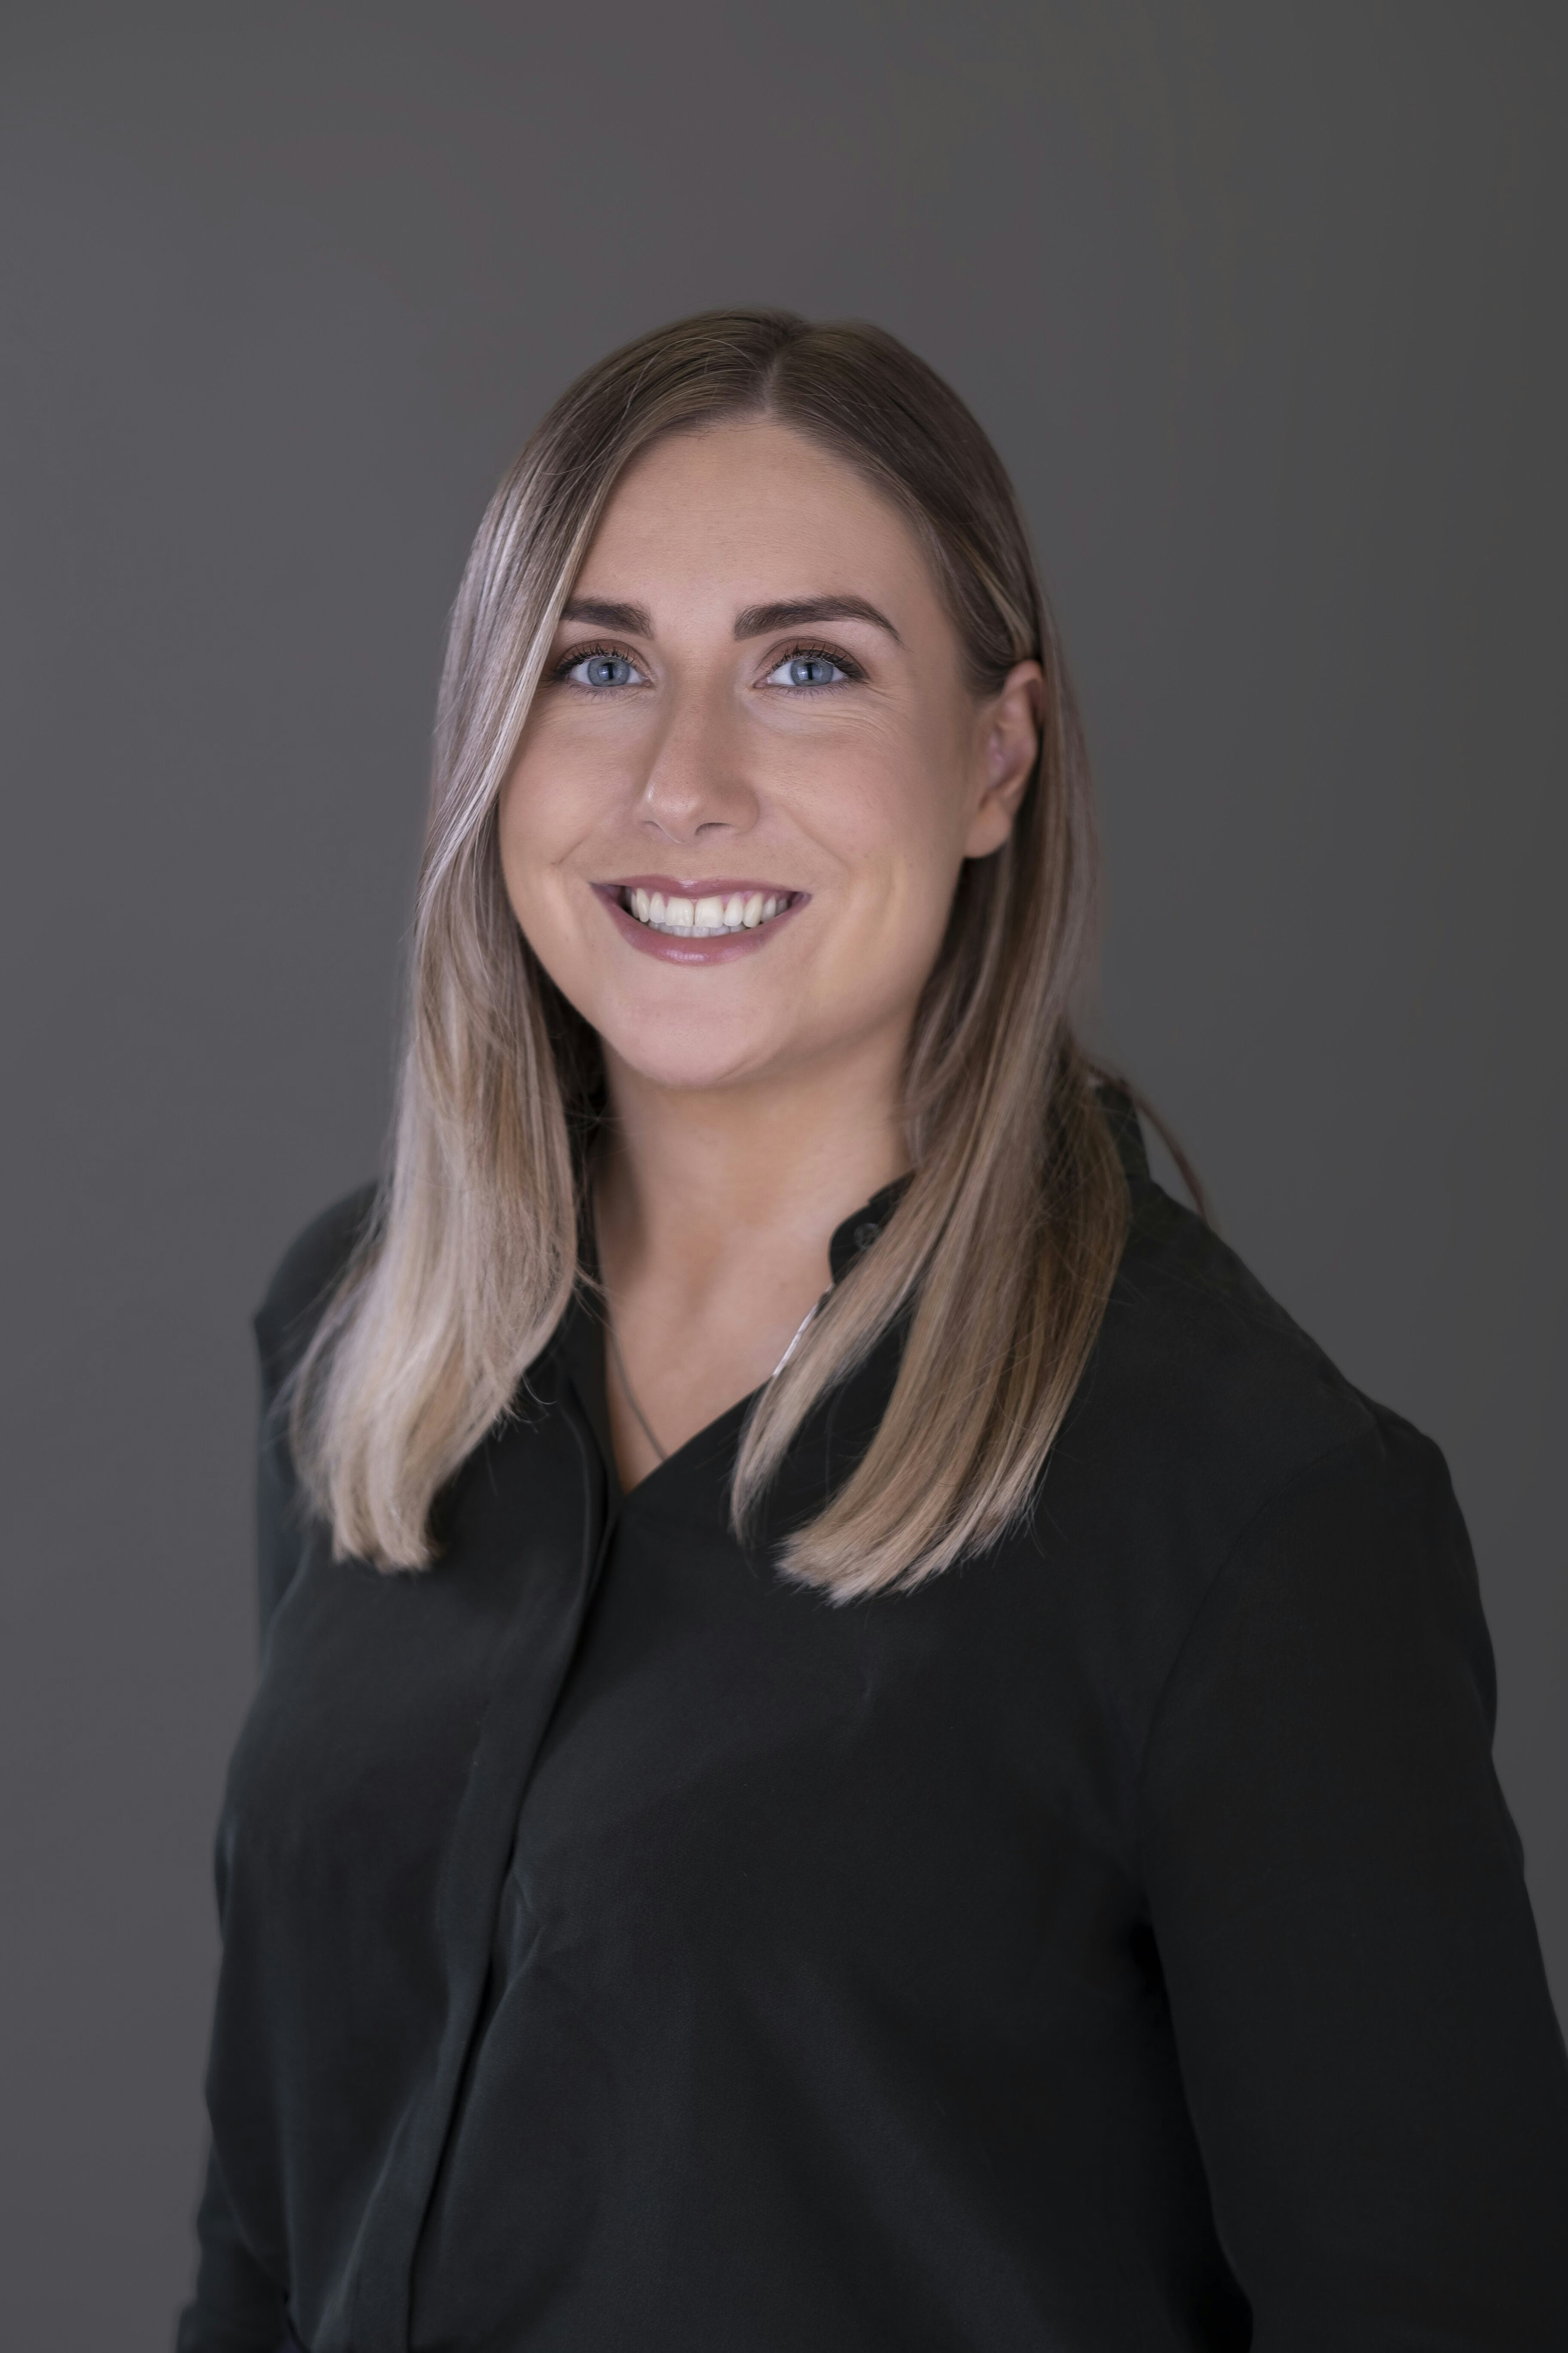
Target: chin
{"x": 694, "y": 1059}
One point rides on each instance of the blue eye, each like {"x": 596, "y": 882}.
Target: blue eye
{"x": 604, "y": 670}
{"x": 808, "y": 670}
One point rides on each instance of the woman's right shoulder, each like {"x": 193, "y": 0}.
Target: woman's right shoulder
{"x": 305, "y": 1278}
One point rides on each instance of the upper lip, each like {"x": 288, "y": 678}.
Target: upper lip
{"x": 718, "y": 886}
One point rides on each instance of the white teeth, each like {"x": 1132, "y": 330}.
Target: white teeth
{"x": 707, "y": 918}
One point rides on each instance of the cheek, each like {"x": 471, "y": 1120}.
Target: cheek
{"x": 895, "y": 819}
{"x": 516, "y": 835}
{"x": 546, "y": 807}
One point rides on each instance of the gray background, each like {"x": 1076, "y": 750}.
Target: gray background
{"x": 1263, "y": 307}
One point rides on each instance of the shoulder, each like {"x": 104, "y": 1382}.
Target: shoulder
{"x": 1202, "y": 1365}
{"x": 1206, "y": 1413}
{"x": 1195, "y": 1357}
{"x": 1219, "y": 1472}
{"x": 306, "y": 1276}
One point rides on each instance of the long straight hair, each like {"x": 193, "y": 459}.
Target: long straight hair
{"x": 1000, "y": 1254}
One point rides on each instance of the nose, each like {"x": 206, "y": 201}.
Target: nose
{"x": 696, "y": 787}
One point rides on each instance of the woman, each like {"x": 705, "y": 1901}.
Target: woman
{"x": 859, "y": 1745}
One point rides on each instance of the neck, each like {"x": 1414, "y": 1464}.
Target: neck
{"x": 695, "y": 1181}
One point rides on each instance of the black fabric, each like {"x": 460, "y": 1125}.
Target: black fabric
{"x": 1120, "y": 1942}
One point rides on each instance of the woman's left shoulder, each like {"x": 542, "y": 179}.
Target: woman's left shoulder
{"x": 1192, "y": 1334}
{"x": 1205, "y": 1403}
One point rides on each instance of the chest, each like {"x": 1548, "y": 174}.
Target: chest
{"x": 619, "y": 1739}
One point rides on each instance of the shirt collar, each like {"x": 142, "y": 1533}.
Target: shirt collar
{"x": 858, "y": 1233}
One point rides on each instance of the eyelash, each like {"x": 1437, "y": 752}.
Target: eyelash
{"x": 810, "y": 651}
{"x": 569, "y": 661}
{"x": 806, "y": 650}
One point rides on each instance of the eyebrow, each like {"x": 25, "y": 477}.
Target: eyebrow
{"x": 802, "y": 612}
{"x": 632, "y": 620}
{"x": 755, "y": 621}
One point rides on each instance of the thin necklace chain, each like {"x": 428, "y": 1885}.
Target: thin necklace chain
{"x": 626, "y": 1380}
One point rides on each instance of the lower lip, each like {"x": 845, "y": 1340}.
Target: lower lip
{"x": 671, "y": 948}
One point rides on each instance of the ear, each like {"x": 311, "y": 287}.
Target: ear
{"x": 1008, "y": 745}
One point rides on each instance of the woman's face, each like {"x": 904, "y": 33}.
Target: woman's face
{"x": 754, "y": 767}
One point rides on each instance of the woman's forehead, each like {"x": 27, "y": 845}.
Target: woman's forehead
{"x": 748, "y": 511}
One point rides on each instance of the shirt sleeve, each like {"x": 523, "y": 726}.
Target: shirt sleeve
{"x": 1373, "y": 2068}
{"x": 237, "y": 2307}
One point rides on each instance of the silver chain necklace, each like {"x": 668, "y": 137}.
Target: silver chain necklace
{"x": 626, "y": 1380}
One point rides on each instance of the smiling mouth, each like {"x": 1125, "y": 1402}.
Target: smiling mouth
{"x": 711, "y": 918}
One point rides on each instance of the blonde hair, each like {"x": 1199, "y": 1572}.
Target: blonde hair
{"x": 1002, "y": 1249}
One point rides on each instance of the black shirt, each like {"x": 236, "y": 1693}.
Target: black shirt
{"x": 1120, "y": 1942}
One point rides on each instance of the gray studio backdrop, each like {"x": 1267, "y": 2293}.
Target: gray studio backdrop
{"x": 1263, "y": 306}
